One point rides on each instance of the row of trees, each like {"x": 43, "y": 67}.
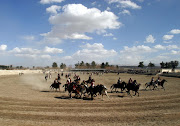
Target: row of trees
{"x": 171, "y": 64}
{"x": 93, "y": 64}
{"x": 103, "y": 65}
{"x": 62, "y": 65}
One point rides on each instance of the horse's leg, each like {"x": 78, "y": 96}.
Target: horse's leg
{"x": 106, "y": 94}
{"x": 70, "y": 95}
{"x": 138, "y": 93}
{"x": 163, "y": 87}
{"x": 112, "y": 89}
{"x": 128, "y": 92}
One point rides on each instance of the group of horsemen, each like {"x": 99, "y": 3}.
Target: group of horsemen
{"x": 76, "y": 82}
{"x": 119, "y": 82}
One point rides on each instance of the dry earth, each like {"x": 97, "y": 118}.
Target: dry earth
{"x": 27, "y": 101}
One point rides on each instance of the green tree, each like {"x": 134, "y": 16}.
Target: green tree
{"x": 141, "y": 64}
{"x": 82, "y": 63}
{"x": 54, "y": 64}
{"x": 174, "y": 64}
{"x": 93, "y": 64}
{"x": 63, "y": 66}
{"x": 151, "y": 65}
{"x": 102, "y": 65}
{"x": 162, "y": 64}
{"x": 107, "y": 64}
{"x": 87, "y": 65}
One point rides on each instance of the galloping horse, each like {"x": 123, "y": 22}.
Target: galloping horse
{"x": 55, "y": 86}
{"x": 101, "y": 89}
{"x": 75, "y": 90}
{"x": 122, "y": 86}
{"x": 156, "y": 84}
{"x": 133, "y": 88}
{"x": 149, "y": 84}
{"x": 160, "y": 84}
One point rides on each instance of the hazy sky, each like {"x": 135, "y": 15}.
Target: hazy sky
{"x": 121, "y": 32}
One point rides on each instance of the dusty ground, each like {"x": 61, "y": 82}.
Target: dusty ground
{"x": 27, "y": 101}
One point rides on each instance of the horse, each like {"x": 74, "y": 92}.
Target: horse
{"x": 74, "y": 88}
{"x": 161, "y": 83}
{"x": 55, "y": 86}
{"x": 149, "y": 84}
{"x": 88, "y": 81}
{"x": 132, "y": 87}
{"x": 122, "y": 86}
{"x": 101, "y": 89}
{"x": 65, "y": 87}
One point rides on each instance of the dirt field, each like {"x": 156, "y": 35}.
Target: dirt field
{"x": 27, "y": 101}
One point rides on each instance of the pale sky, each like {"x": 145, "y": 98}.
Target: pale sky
{"x": 121, "y": 32}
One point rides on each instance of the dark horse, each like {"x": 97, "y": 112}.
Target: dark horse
{"x": 132, "y": 87}
{"x": 55, "y": 86}
{"x": 65, "y": 87}
{"x": 75, "y": 90}
{"x": 88, "y": 81}
{"x": 100, "y": 89}
{"x": 161, "y": 83}
{"x": 122, "y": 86}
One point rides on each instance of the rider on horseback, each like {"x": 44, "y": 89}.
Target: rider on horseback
{"x": 83, "y": 83}
{"x": 90, "y": 78}
{"x": 92, "y": 83}
{"x": 159, "y": 80}
{"x": 68, "y": 81}
{"x": 130, "y": 81}
{"x": 134, "y": 82}
{"x": 119, "y": 81}
{"x": 152, "y": 81}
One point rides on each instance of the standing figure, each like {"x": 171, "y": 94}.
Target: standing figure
{"x": 59, "y": 76}
{"x": 46, "y": 77}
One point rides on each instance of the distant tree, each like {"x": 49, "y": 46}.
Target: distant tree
{"x": 63, "y": 66}
{"x": 21, "y": 67}
{"x": 167, "y": 65}
{"x": 54, "y": 65}
{"x": 141, "y": 64}
{"x": 151, "y": 65}
{"x": 117, "y": 66}
{"x": 82, "y": 63}
{"x": 93, "y": 64}
{"x": 33, "y": 67}
{"x": 103, "y": 65}
{"x": 87, "y": 65}
{"x": 107, "y": 64}
{"x": 162, "y": 64}
{"x": 174, "y": 64}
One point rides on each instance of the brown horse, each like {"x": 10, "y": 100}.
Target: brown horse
{"x": 74, "y": 88}
{"x": 122, "y": 86}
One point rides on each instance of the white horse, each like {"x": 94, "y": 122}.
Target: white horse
{"x": 104, "y": 92}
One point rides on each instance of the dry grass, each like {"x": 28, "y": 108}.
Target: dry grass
{"x": 27, "y": 100}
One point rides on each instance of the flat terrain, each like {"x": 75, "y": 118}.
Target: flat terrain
{"x": 27, "y": 101}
